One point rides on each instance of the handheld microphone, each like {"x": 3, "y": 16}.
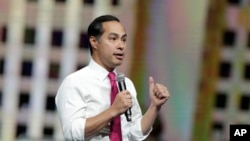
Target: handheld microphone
{"x": 122, "y": 86}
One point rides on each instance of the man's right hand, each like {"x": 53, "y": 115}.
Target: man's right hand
{"x": 123, "y": 101}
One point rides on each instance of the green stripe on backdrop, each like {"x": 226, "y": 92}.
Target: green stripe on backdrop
{"x": 138, "y": 69}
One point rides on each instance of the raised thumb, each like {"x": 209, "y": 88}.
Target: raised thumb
{"x": 151, "y": 84}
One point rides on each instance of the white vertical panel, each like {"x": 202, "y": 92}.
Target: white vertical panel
{"x": 102, "y": 7}
{"x": 70, "y": 47}
{"x": 12, "y": 69}
{"x": 41, "y": 63}
{"x": 71, "y": 32}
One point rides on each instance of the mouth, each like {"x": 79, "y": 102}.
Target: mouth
{"x": 119, "y": 56}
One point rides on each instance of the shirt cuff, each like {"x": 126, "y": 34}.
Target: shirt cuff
{"x": 76, "y": 130}
{"x": 137, "y": 132}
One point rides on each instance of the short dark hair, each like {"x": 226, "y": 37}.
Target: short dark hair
{"x": 95, "y": 28}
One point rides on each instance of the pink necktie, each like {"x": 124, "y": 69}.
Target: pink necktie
{"x": 115, "y": 126}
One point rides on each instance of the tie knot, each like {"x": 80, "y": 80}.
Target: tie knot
{"x": 111, "y": 76}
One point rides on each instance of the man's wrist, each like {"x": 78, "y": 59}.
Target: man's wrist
{"x": 112, "y": 112}
{"x": 155, "y": 107}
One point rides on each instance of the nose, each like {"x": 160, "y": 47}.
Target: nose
{"x": 121, "y": 45}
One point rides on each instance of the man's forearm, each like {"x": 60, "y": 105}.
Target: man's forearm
{"x": 148, "y": 119}
{"x": 96, "y": 123}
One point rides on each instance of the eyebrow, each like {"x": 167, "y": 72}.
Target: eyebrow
{"x": 115, "y": 34}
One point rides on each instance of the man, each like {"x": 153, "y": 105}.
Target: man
{"x": 83, "y": 100}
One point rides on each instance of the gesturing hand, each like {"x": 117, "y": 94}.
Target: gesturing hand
{"x": 158, "y": 93}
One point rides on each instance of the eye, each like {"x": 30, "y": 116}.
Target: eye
{"x": 124, "y": 40}
{"x": 112, "y": 38}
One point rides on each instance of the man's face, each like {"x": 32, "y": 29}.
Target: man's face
{"x": 109, "y": 50}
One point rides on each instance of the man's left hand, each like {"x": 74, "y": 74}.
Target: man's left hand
{"x": 158, "y": 93}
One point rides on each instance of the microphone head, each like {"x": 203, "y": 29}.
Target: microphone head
{"x": 120, "y": 77}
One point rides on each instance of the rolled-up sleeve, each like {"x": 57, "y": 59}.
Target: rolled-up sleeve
{"x": 71, "y": 107}
{"x": 136, "y": 132}
{"x": 135, "y": 126}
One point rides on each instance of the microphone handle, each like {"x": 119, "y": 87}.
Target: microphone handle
{"x": 122, "y": 87}
{"x": 128, "y": 114}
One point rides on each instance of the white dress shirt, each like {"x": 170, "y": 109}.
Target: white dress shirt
{"x": 86, "y": 93}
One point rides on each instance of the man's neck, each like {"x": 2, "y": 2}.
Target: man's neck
{"x": 96, "y": 60}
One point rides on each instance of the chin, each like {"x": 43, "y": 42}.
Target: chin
{"x": 118, "y": 63}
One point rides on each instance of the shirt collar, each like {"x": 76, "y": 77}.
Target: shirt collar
{"x": 100, "y": 72}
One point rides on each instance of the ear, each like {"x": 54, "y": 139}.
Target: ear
{"x": 93, "y": 41}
